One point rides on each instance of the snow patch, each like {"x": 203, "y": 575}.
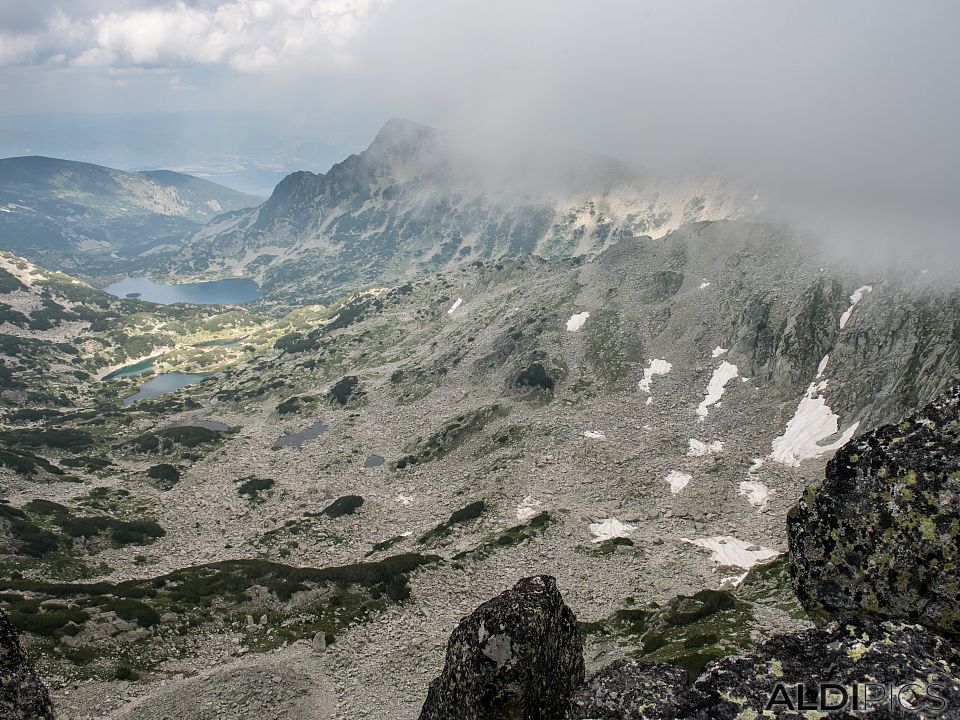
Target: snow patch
{"x": 718, "y": 351}
{"x": 699, "y": 448}
{"x": 757, "y": 493}
{"x": 730, "y": 551}
{"x": 594, "y": 435}
{"x": 721, "y": 376}
{"x": 528, "y": 508}
{"x": 609, "y": 529}
{"x": 404, "y": 501}
{"x": 576, "y": 321}
{"x": 854, "y": 301}
{"x": 656, "y": 367}
{"x": 704, "y": 285}
{"x": 812, "y": 423}
{"x": 677, "y": 481}
{"x": 454, "y": 307}
{"x": 757, "y": 464}
{"x": 822, "y": 367}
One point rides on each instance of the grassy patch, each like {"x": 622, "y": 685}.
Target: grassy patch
{"x": 458, "y": 517}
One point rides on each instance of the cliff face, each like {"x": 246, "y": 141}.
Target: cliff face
{"x": 23, "y": 696}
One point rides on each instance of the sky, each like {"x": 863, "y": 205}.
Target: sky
{"x": 845, "y": 102}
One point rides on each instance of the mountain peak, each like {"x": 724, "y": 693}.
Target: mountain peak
{"x": 401, "y": 138}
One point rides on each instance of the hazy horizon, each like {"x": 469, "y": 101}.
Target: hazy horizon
{"x": 842, "y": 112}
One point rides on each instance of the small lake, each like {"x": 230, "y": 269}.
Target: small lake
{"x": 133, "y": 370}
{"x": 161, "y": 384}
{"x": 297, "y": 439}
{"x": 373, "y": 461}
{"x": 229, "y": 291}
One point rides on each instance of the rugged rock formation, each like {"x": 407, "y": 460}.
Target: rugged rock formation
{"x": 630, "y": 690}
{"x": 881, "y": 534}
{"x": 516, "y": 657}
{"x": 908, "y": 664}
{"x": 23, "y": 696}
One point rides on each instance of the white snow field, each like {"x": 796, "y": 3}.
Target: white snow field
{"x": 528, "y": 507}
{"x": 812, "y": 423}
{"x": 609, "y": 529}
{"x": 698, "y": 448}
{"x": 726, "y": 550}
{"x": 854, "y": 301}
{"x": 594, "y": 435}
{"x": 656, "y": 367}
{"x": 457, "y": 304}
{"x": 756, "y": 492}
{"x": 677, "y": 480}
{"x": 576, "y": 321}
{"x": 721, "y": 376}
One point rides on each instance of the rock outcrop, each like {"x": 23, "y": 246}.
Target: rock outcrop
{"x": 516, "y": 657}
{"x": 911, "y": 667}
{"x": 880, "y": 536}
{"x": 23, "y": 696}
{"x": 630, "y": 690}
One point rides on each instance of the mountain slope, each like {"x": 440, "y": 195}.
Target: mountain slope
{"x": 419, "y": 200}
{"x": 80, "y": 217}
{"x": 637, "y": 425}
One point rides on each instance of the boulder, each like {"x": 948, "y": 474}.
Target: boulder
{"x": 630, "y": 690}
{"x": 23, "y": 696}
{"x": 908, "y": 664}
{"x": 517, "y": 657}
{"x": 880, "y": 535}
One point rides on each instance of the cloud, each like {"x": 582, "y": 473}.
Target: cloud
{"x": 17, "y": 48}
{"x": 246, "y": 35}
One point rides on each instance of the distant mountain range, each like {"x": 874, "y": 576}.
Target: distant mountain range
{"x": 94, "y": 220}
{"x": 420, "y": 200}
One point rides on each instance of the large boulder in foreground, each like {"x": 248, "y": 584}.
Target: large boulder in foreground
{"x": 880, "y": 535}
{"x": 909, "y": 665}
{"x": 23, "y": 696}
{"x": 517, "y": 657}
{"x": 630, "y": 690}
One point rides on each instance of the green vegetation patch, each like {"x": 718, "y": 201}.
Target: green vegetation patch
{"x": 164, "y": 440}
{"x": 166, "y": 475}
{"x": 509, "y": 538}
{"x": 346, "y": 505}
{"x": 458, "y": 517}
{"x": 251, "y": 487}
{"x": 451, "y": 435}
{"x": 344, "y": 390}
{"x": 690, "y": 631}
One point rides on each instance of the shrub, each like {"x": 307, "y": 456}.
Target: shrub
{"x": 166, "y": 475}
{"x": 344, "y": 389}
{"x": 346, "y": 505}
{"x": 253, "y": 486}
{"x": 535, "y": 376}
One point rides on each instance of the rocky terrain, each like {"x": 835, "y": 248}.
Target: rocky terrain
{"x": 98, "y": 222}
{"x": 339, "y": 492}
{"x": 420, "y": 200}
{"x": 520, "y": 656}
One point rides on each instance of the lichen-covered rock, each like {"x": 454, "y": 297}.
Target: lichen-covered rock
{"x": 881, "y": 534}
{"x": 630, "y": 690}
{"x": 23, "y": 696}
{"x": 916, "y": 668}
{"x": 517, "y": 657}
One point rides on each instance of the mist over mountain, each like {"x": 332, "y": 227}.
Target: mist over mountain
{"x": 418, "y": 200}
